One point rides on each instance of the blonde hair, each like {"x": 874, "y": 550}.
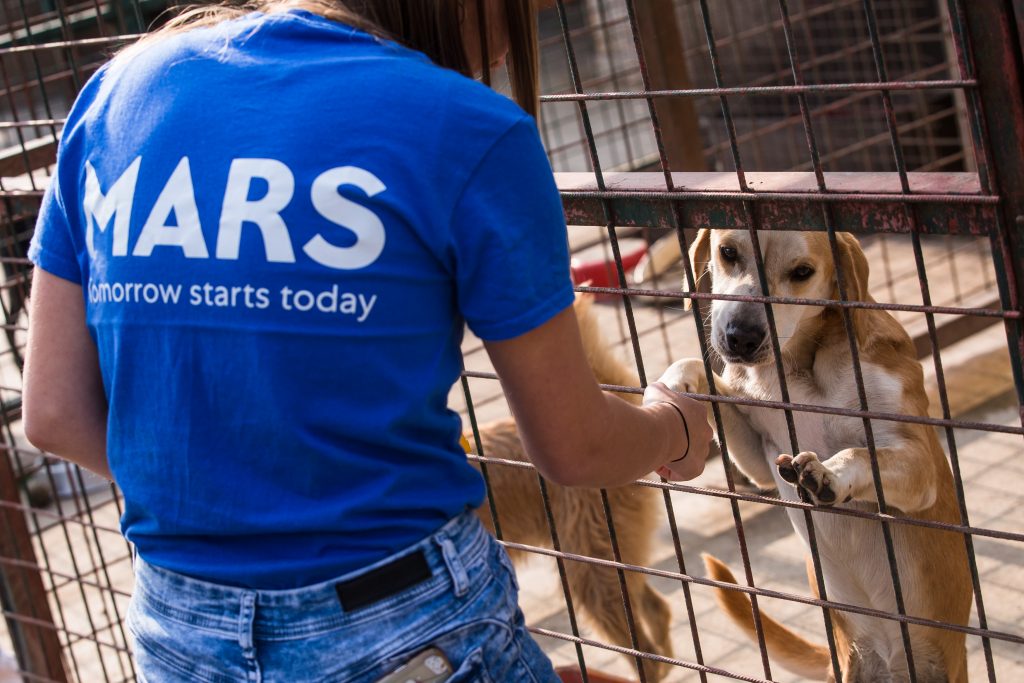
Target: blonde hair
{"x": 433, "y": 27}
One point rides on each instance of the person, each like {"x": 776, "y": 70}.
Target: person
{"x": 265, "y": 233}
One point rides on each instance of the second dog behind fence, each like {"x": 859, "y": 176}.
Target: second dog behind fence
{"x": 580, "y": 522}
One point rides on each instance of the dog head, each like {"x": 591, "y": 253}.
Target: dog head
{"x": 796, "y": 264}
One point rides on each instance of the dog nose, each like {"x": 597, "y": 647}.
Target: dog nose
{"x": 744, "y": 339}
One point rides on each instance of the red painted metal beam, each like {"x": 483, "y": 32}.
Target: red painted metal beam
{"x": 943, "y": 203}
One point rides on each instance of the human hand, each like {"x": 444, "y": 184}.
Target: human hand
{"x": 693, "y": 418}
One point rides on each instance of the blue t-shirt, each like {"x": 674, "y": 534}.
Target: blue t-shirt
{"x": 280, "y": 226}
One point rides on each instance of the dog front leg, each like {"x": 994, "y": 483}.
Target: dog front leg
{"x": 745, "y": 445}
{"x": 909, "y": 479}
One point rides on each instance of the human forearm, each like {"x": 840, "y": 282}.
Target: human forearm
{"x": 64, "y": 407}
{"x": 632, "y": 442}
{"x": 577, "y": 435}
{"x": 79, "y": 439}
{"x": 82, "y": 444}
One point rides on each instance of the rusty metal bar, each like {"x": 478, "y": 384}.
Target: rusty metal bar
{"x": 903, "y": 620}
{"x": 683, "y": 234}
{"x": 984, "y": 310}
{"x": 703, "y": 670}
{"x": 642, "y": 49}
{"x": 893, "y": 129}
{"x": 752, "y": 223}
{"x": 67, "y": 578}
{"x": 779, "y": 502}
{"x": 809, "y": 408}
{"x": 609, "y": 221}
{"x": 934, "y": 335}
{"x": 802, "y": 89}
{"x": 563, "y": 576}
{"x": 943, "y": 203}
{"x": 855, "y": 214}
{"x": 37, "y": 67}
{"x": 842, "y": 186}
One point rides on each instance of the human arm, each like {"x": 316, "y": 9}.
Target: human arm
{"x": 578, "y": 435}
{"x": 511, "y": 266}
{"x": 64, "y": 406}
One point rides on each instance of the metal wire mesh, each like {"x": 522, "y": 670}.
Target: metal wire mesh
{"x": 822, "y": 95}
{"x": 661, "y": 117}
{"x": 834, "y": 48}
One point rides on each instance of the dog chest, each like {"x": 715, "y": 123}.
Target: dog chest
{"x": 831, "y": 387}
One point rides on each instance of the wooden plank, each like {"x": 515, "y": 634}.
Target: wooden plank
{"x": 666, "y": 70}
{"x": 24, "y": 593}
{"x": 35, "y": 154}
{"x": 951, "y": 329}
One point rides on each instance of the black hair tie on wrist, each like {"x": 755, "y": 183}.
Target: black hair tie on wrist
{"x": 685, "y": 427}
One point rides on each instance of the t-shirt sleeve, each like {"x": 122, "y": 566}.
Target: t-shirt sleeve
{"x": 509, "y": 240}
{"x": 52, "y": 248}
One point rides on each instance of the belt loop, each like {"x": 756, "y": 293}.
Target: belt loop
{"x": 460, "y": 578}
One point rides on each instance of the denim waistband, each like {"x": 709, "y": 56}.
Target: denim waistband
{"x": 459, "y": 544}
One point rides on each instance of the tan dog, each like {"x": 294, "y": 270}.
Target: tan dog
{"x": 834, "y": 467}
{"x": 580, "y": 521}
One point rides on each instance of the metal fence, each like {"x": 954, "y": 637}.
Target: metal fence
{"x": 899, "y": 122}
{"x": 751, "y": 46}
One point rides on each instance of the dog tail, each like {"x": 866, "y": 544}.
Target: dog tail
{"x": 604, "y": 363}
{"x": 795, "y": 654}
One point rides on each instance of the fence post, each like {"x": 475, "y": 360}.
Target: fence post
{"x": 23, "y": 594}
{"x": 1018, "y": 8}
{"x": 666, "y": 68}
{"x": 995, "y": 49}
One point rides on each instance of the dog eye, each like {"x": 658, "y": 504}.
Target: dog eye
{"x": 729, "y": 254}
{"x": 801, "y": 273}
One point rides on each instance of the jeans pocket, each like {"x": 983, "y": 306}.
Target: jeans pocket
{"x": 167, "y": 651}
{"x": 160, "y": 663}
{"x": 506, "y": 562}
{"x": 472, "y": 669}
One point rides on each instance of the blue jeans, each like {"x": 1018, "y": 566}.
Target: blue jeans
{"x": 190, "y": 630}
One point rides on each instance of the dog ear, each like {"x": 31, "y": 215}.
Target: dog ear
{"x": 854, "y": 266}
{"x": 700, "y": 259}
{"x": 871, "y": 326}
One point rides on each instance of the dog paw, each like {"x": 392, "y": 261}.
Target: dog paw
{"x": 686, "y": 376}
{"x": 814, "y": 481}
